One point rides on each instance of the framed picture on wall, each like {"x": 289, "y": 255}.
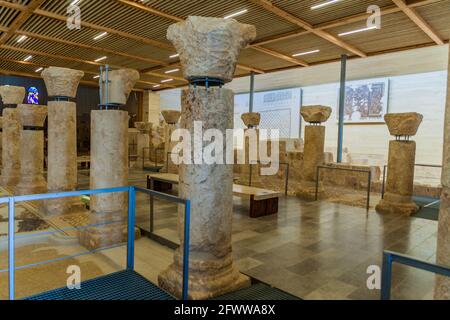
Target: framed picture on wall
{"x": 366, "y": 101}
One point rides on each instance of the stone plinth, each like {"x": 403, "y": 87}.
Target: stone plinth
{"x": 403, "y": 124}
{"x": 32, "y": 179}
{"x": 121, "y": 82}
{"x": 11, "y": 149}
{"x": 209, "y": 47}
{"x": 315, "y": 114}
{"x": 62, "y": 138}
{"x": 251, "y": 119}
{"x": 12, "y": 95}
{"x": 210, "y": 189}
{"x": 62, "y": 82}
{"x": 400, "y": 179}
{"x": 143, "y": 142}
{"x": 313, "y": 156}
{"x": 171, "y": 117}
{"x": 109, "y": 169}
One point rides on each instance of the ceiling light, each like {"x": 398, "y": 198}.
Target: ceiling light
{"x": 21, "y": 38}
{"x": 167, "y": 80}
{"x": 321, "y": 5}
{"x": 156, "y": 86}
{"x": 236, "y": 14}
{"x": 39, "y": 69}
{"x": 96, "y": 77}
{"x": 305, "y": 53}
{"x": 28, "y": 58}
{"x": 356, "y": 31}
{"x": 74, "y": 2}
{"x": 101, "y": 35}
{"x": 174, "y": 56}
{"x": 171, "y": 71}
{"x": 101, "y": 59}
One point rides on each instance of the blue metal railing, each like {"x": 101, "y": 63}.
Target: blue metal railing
{"x": 390, "y": 257}
{"x": 11, "y": 201}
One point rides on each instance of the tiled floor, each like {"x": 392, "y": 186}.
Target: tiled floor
{"x": 320, "y": 250}
{"x": 314, "y": 250}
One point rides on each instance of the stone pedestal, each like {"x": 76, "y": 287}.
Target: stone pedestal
{"x": 251, "y": 140}
{"x": 171, "y": 117}
{"x": 442, "y": 289}
{"x": 32, "y": 179}
{"x": 208, "y": 48}
{"x": 62, "y": 86}
{"x": 109, "y": 165}
{"x": 109, "y": 169}
{"x": 143, "y": 143}
{"x": 402, "y": 156}
{"x": 11, "y": 97}
{"x": 314, "y": 149}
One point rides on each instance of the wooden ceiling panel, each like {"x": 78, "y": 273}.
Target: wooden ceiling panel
{"x": 307, "y": 43}
{"x": 7, "y": 16}
{"x": 397, "y": 31}
{"x": 266, "y": 23}
{"x": 338, "y": 10}
{"x": 256, "y": 58}
{"x": 438, "y": 16}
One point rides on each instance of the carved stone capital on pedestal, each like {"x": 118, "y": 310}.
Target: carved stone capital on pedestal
{"x": 171, "y": 116}
{"x": 143, "y": 127}
{"x": 12, "y": 94}
{"x": 121, "y": 82}
{"x": 315, "y": 114}
{"x": 210, "y": 47}
{"x": 251, "y": 119}
{"x": 403, "y": 124}
{"x": 32, "y": 115}
{"x": 62, "y": 82}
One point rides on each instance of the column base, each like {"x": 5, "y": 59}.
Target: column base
{"x": 203, "y": 285}
{"x": 63, "y": 206}
{"x": 397, "y": 204}
{"x": 34, "y": 185}
{"x": 307, "y": 190}
{"x": 10, "y": 180}
{"x": 102, "y": 237}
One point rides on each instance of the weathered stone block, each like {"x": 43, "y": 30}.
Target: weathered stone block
{"x": 403, "y": 124}
{"x": 315, "y": 114}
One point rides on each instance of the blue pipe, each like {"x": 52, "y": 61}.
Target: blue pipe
{"x": 131, "y": 223}
{"x": 11, "y": 247}
{"x": 187, "y": 227}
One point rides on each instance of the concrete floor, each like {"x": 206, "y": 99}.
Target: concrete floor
{"x": 314, "y": 250}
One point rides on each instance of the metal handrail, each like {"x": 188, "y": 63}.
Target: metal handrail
{"x": 369, "y": 184}
{"x": 390, "y": 257}
{"x": 11, "y": 201}
{"x": 383, "y": 187}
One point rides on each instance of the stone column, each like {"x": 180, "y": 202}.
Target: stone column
{"x": 32, "y": 179}
{"x": 11, "y": 97}
{"x": 208, "y": 48}
{"x": 109, "y": 164}
{"x": 401, "y": 164}
{"x": 251, "y": 121}
{"x": 442, "y": 289}
{"x": 143, "y": 143}
{"x": 171, "y": 117}
{"x": 313, "y": 154}
{"x": 62, "y": 87}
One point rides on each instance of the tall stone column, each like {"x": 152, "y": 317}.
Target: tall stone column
{"x": 11, "y": 97}
{"x": 62, "y": 84}
{"x": 208, "y": 48}
{"x": 32, "y": 179}
{"x": 313, "y": 154}
{"x": 109, "y": 163}
{"x": 401, "y": 164}
{"x": 143, "y": 142}
{"x": 171, "y": 117}
{"x": 442, "y": 289}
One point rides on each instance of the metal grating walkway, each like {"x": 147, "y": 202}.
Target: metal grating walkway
{"x": 258, "y": 291}
{"x": 123, "y": 285}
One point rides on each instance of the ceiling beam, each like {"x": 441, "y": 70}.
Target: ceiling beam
{"x": 266, "y": 4}
{"x": 150, "y": 10}
{"x": 419, "y": 21}
{"x": 20, "y": 20}
{"x": 281, "y": 56}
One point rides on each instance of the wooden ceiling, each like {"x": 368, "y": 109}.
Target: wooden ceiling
{"x": 136, "y": 33}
